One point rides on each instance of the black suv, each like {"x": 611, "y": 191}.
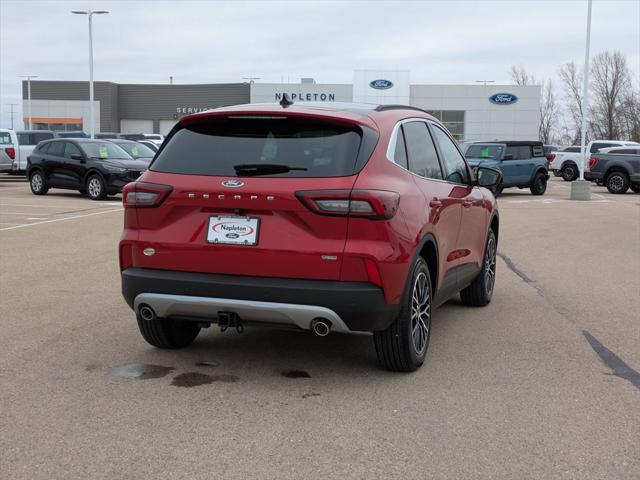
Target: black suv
{"x": 95, "y": 167}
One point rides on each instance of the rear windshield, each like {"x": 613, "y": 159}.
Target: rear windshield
{"x": 214, "y": 147}
{"x": 5, "y": 138}
{"x": 485, "y": 151}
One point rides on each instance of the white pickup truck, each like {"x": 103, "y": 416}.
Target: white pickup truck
{"x": 15, "y": 147}
{"x": 566, "y": 163}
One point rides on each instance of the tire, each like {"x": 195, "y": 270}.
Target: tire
{"x": 165, "y": 333}
{"x": 538, "y": 184}
{"x": 95, "y": 187}
{"x": 480, "y": 291}
{"x": 38, "y": 184}
{"x": 556, "y": 173}
{"x": 635, "y": 187}
{"x": 403, "y": 346}
{"x": 617, "y": 182}
{"x": 569, "y": 172}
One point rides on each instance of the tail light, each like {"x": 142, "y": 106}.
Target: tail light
{"x": 11, "y": 152}
{"x": 373, "y": 204}
{"x": 144, "y": 195}
{"x": 593, "y": 161}
{"x": 550, "y": 157}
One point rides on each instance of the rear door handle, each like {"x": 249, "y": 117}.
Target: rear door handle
{"x": 435, "y": 202}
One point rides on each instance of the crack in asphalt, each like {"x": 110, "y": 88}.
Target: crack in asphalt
{"x": 515, "y": 269}
{"x": 618, "y": 366}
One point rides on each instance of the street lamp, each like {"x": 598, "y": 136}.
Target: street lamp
{"x": 484, "y": 113}
{"x": 90, "y": 14}
{"x": 29, "y": 77}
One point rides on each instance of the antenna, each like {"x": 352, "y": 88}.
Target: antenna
{"x": 286, "y": 101}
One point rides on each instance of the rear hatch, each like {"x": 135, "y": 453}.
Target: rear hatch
{"x": 233, "y": 208}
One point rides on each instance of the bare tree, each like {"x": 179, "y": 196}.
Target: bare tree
{"x": 548, "y": 112}
{"x": 572, "y": 80}
{"x": 610, "y": 81}
{"x": 630, "y": 117}
{"x": 519, "y": 76}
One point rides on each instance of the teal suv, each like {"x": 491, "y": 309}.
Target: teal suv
{"x": 523, "y": 164}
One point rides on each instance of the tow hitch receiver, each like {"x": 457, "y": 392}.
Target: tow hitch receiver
{"x": 230, "y": 319}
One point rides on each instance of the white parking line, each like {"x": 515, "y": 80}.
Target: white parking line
{"x": 25, "y": 225}
{"x": 37, "y": 218}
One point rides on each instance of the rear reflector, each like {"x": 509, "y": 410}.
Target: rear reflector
{"x": 593, "y": 161}
{"x": 11, "y": 152}
{"x": 143, "y": 195}
{"x": 126, "y": 259}
{"x": 373, "y": 204}
{"x": 372, "y": 272}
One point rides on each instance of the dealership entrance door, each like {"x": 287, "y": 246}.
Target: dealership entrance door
{"x": 136, "y": 126}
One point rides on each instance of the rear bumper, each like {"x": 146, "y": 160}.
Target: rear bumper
{"x": 593, "y": 176}
{"x": 350, "y": 306}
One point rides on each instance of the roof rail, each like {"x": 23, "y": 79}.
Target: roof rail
{"x": 384, "y": 108}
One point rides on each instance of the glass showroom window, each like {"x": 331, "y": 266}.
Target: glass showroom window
{"x": 453, "y": 120}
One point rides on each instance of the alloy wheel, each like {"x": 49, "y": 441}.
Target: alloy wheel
{"x": 420, "y": 313}
{"x": 36, "y": 182}
{"x": 94, "y": 187}
{"x": 490, "y": 266}
{"x": 616, "y": 183}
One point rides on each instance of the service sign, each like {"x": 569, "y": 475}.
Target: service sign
{"x": 233, "y": 230}
{"x": 503, "y": 98}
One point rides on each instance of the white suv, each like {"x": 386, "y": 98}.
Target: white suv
{"x": 565, "y": 163}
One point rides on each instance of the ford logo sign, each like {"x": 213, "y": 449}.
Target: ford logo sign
{"x": 381, "y": 84}
{"x": 232, "y": 235}
{"x": 232, "y": 183}
{"x": 503, "y": 98}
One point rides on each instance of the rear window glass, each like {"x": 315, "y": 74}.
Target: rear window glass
{"x": 215, "y": 147}
{"x": 5, "y": 138}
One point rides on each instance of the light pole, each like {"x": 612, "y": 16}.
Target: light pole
{"x": 12, "y": 112}
{"x": 581, "y": 189}
{"x": 484, "y": 114}
{"x": 29, "y": 77}
{"x": 90, "y": 14}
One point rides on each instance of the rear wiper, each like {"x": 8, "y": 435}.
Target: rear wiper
{"x": 251, "y": 169}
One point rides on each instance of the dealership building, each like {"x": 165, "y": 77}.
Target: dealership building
{"x": 471, "y": 112}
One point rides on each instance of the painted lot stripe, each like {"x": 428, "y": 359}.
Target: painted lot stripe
{"x": 25, "y": 225}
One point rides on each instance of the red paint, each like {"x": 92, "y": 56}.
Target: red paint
{"x": 295, "y": 239}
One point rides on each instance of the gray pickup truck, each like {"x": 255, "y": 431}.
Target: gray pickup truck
{"x": 618, "y": 169}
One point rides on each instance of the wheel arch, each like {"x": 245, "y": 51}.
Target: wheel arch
{"x": 616, "y": 167}
{"x": 428, "y": 251}
{"x": 90, "y": 172}
{"x": 494, "y": 224}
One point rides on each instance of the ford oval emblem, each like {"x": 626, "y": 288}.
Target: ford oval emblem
{"x": 232, "y": 183}
{"x": 381, "y": 84}
{"x": 503, "y": 98}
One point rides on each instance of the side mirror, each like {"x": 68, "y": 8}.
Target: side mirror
{"x": 76, "y": 156}
{"x": 508, "y": 157}
{"x": 488, "y": 177}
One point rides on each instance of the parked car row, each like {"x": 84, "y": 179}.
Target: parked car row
{"x": 96, "y": 168}
{"x": 15, "y": 146}
{"x": 565, "y": 163}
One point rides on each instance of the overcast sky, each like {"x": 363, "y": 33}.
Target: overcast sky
{"x": 213, "y": 41}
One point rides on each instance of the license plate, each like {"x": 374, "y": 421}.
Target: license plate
{"x": 233, "y": 230}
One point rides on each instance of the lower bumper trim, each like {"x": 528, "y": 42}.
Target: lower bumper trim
{"x": 183, "y": 306}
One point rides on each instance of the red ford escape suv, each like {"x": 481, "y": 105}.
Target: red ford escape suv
{"x": 332, "y": 217}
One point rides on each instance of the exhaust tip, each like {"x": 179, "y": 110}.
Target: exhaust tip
{"x": 321, "y": 327}
{"x": 147, "y": 313}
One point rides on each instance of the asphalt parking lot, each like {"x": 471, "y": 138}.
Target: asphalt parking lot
{"x": 542, "y": 383}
